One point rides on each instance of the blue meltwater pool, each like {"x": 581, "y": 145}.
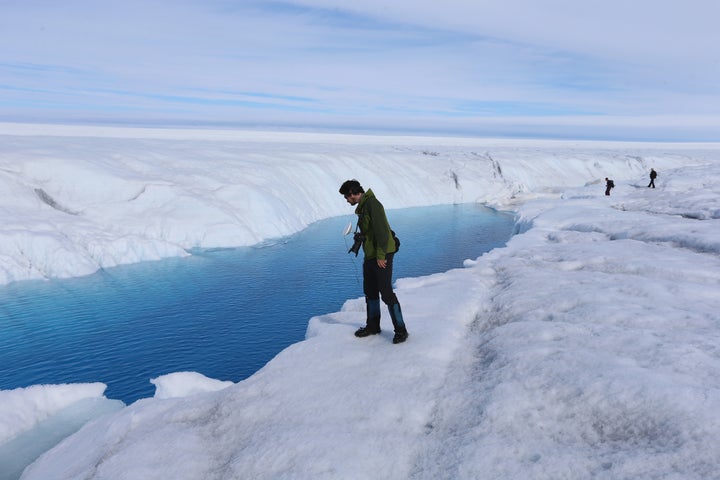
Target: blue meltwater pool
{"x": 223, "y": 313}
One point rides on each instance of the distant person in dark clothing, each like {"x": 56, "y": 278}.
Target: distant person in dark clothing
{"x": 653, "y": 176}
{"x": 609, "y": 185}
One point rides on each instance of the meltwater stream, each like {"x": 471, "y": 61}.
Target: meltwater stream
{"x": 222, "y": 313}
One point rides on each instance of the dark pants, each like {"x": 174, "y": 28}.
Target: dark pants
{"x": 652, "y": 183}
{"x": 377, "y": 282}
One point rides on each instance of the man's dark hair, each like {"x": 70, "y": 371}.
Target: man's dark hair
{"x": 351, "y": 187}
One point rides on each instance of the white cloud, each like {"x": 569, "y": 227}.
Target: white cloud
{"x": 314, "y": 61}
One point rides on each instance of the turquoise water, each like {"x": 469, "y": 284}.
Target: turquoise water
{"x": 223, "y": 313}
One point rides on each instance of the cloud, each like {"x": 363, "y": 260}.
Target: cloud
{"x": 446, "y": 65}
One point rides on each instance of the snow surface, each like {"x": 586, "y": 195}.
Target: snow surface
{"x": 585, "y": 348}
{"x": 183, "y": 384}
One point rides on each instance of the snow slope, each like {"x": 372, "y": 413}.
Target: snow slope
{"x": 77, "y": 199}
{"x": 586, "y": 348}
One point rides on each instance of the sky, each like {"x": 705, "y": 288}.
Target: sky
{"x": 587, "y": 347}
{"x": 641, "y": 70}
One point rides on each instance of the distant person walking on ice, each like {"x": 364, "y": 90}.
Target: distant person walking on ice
{"x": 609, "y": 185}
{"x": 379, "y": 246}
{"x": 653, "y": 176}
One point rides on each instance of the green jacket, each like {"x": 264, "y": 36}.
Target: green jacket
{"x": 374, "y": 225}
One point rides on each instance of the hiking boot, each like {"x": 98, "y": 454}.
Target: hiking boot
{"x": 365, "y": 331}
{"x": 400, "y": 337}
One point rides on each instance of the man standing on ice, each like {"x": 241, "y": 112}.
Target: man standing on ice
{"x": 609, "y": 185}
{"x": 379, "y": 247}
{"x": 653, "y": 176}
